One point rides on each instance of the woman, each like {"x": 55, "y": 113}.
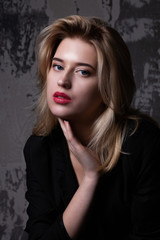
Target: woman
{"x": 92, "y": 162}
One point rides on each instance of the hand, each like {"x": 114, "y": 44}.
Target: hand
{"x": 88, "y": 160}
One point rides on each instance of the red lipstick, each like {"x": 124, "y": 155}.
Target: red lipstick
{"x": 61, "y": 98}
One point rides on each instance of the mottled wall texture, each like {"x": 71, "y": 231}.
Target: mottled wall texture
{"x": 138, "y": 21}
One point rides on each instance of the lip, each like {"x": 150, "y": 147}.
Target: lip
{"x": 61, "y": 98}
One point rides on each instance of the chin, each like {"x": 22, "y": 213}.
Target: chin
{"x": 62, "y": 116}
{"x": 65, "y": 115}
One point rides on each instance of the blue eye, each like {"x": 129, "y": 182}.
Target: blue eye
{"x": 57, "y": 67}
{"x": 84, "y": 73}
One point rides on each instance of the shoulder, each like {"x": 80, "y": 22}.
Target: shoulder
{"x": 38, "y": 145}
{"x": 141, "y": 147}
{"x": 35, "y": 144}
{"x": 147, "y": 133}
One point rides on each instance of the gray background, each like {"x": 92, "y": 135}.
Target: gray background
{"x": 138, "y": 21}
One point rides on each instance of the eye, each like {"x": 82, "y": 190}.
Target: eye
{"x": 57, "y": 67}
{"x": 84, "y": 73}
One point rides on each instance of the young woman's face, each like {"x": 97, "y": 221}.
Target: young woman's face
{"x": 72, "y": 82}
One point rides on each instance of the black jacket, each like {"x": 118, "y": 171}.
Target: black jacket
{"x": 127, "y": 200}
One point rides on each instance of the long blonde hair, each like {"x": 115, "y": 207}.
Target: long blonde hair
{"x": 116, "y": 82}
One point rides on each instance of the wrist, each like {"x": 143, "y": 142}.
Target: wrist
{"x": 91, "y": 178}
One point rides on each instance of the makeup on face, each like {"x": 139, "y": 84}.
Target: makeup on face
{"x": 61, "y": 98}
{"x": 72, "y": 82}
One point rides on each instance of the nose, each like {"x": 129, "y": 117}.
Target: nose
{"x": 65, "y": 81}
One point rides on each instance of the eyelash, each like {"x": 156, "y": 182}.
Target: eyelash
{"x": 57, "y": 65}
{"x": 87, "y": 73}
{"x": 84, "y": 73}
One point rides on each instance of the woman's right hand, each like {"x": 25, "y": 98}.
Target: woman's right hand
{"x": 88, "y": 160}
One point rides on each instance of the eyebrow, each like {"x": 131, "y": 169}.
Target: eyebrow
{"x": 78, "y": 63}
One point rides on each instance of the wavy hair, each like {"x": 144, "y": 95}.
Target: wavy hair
{"x": 116, "y": 82}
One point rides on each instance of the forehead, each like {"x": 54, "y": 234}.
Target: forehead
{"x": 76, "y": 49}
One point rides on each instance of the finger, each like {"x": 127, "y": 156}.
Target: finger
{"x": 66, "y": 128}
{"x": 71, "y": 138}
{"x": 62, "y": 126}
{"x": 74, "y": 145}
{"x": 68, "y": 131}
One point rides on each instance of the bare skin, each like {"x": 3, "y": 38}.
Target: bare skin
{"x": 87, "y": 174}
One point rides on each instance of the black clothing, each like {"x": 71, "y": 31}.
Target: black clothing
{"x": 127, "y": 200}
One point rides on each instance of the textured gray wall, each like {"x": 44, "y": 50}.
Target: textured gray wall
{"x": 138, "y": 21}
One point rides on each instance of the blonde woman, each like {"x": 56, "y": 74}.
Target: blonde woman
{"x": 93, "y": 165}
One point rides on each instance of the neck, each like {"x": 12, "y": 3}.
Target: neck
{"x": 81, "y": 131}
{"x": 82, "y": 127}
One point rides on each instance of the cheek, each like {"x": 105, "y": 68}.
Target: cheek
{"x": 50, "y": 87}
{"x": 93, "y": 92}
{"x": 49, "y": 93}
{"x": 90, "y": 95}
